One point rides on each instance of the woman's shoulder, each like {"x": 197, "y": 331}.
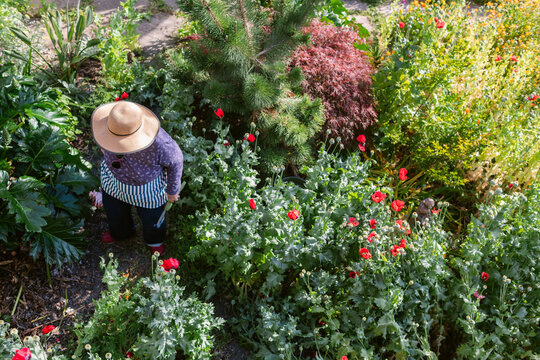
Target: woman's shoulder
{"x": 165, "y": 142}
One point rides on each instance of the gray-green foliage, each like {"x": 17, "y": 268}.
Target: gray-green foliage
{"x": 504, "y": 242}
{"x": 150, "y": 317}
{"x": 42, "y": 177}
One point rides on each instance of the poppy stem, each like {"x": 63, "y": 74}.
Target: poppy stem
{"x": 17, "y": 300}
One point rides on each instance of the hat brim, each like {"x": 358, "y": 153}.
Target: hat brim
{"x": 140, "y": 140}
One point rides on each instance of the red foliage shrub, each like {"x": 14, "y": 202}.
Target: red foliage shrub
{"x": 340, "y": 75}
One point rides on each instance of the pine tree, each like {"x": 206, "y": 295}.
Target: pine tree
{"x": 241, "y": 57}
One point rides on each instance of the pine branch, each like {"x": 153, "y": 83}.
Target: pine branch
{"x": 270, "y": 48}
{"x": 207, "y": 7}
{"x": 244, "y": 17}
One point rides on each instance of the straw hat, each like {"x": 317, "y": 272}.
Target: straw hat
{"x": 124, "y": 127}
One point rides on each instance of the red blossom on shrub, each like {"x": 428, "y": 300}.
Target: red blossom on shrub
{"x": 365, "y": 253}
{"x": 484, "y": 276}
{"x": 378, "y": 196}
{"x": 513, "y": 58}
{"x": 534, "y": 97}
{"x": 340, "y": 75}
{"x": 402, "y": 174}
{"x": 510, "y": 186}
{"x": 372, "y": 223}
{"x": 47, "y": 329}
{"x": 124, "y": 95}
{"x": 361, "y": 147}
{"x": 252, "y": 204}
{"x": 436, "y": 212}
{"x": 169, "y": 264}
{"x": 219, "y": 113}
{"x": 344, "y": 358}
{"x": 401, "y": 24}
{"x": 353, "y": 222}
{"x": 498, "y": 58}
{"x": 440, "y": 24}
{"x": 371, "y": 236}
{"x": 226, "y": 142}
{"x": 129, "y": 354}
{"x": 250, "y": 138}
{"x": 402, "y": 243}
{"x": 361, "y": 139}
{"x": 397, "y": 205}
{"x": 353, "y": 274}
{"x": 22, "y": 354}
{"x": 293, "y": 214}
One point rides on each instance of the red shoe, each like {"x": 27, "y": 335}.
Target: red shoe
{"x": 107, "y": 238}
{"x": 160, "y": 249}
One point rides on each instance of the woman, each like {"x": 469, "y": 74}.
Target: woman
{"x": 141, "y": 167}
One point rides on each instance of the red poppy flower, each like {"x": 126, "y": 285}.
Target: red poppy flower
{"x": 22, "y": 354}
{"x": 219, "y": 113}
{"x": 361, "y": 139}
{"x": 403, "y": 174}
{"x": 353, "y": 222}
{"x": 250, "y": 138}
{"x": 440, "y": 24}
{"x": 484, "y": 276}
{"x": 436, "y": 19}
{"x": 353, "y": 274}
{"x": 402, "y": 243}
{"x": 365, "y": 253}
{"x": 117, "y": 99}
{"x": 129, "y": 354}
{"x": 371, "y": 236}
{"x": 534, "y": 97}
{"x": 293, "y": 215}
{"x": 436, "y": 212}
{"x": 226, "y": 142}
{"x": 124, "y": 95}
{"x": 169, "y": 264}
{"x": 397, "y": 205}
{"x": 344, "y": 358}
{"x": 498, "y": 58}
{"x": 47, "y": 329}
{"x": 395, "y": 250}
{"x": 513, "y": 58}
{"x": 378, "y": 196}
{"x": 252, "y": 204}
{"x": 510, "y": 186}
{"x": 401, "y": 24}
{"x": 408, "y": 231}
{"x": 361, "y": 147}
{"x": 372, "y": 223}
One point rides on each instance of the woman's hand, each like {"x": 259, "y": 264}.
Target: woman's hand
{"x": 172, "y": 198}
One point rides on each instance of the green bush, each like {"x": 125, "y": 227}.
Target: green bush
{"x": 452, "y": 95}
{"x": 150, "y": 318}
{"x": 498, "y": 312}
{"x": 10, "y": 342}
{"x": 42, "y": 177}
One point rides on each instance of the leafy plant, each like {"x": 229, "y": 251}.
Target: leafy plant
{"x": 42, "y": 177}
{"x": 335, "y": 71}
{"x": 150, "y": 318}
{"x": 498, "y": 284}
{"x": 71, "y": 49}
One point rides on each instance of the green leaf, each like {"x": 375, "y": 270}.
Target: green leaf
{"x": 77, "y": 180}
{"x": 57, "y": 241}
{"x": 64, "y": 199}
{"x": 40, "y": 148}
{"x": 20, "y": 35}
{"x": 25, "y": 200}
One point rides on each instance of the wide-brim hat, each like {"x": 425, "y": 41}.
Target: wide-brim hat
{"x": 124, "y": 127}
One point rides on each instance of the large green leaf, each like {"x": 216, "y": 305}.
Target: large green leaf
{"x": 58, "y": 241}
{"x": 40, "y": 148}
{"x": 77, "y": 180}
{"x": 65, "y": 200}
{"x": 7, "y": 226}
{"x": 25, "y": 200}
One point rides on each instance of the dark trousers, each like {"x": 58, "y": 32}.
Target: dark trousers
{"x": 121, "y": 223}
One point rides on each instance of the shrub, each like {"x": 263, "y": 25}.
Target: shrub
{"x": 339, "y": 74}
{"x": 42, "y": 177}
{"x": 498, "y": 284}
{"x": 150, "y": 318}
{"x": 452, "y": 95}
{"x": 289, "y": 272}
